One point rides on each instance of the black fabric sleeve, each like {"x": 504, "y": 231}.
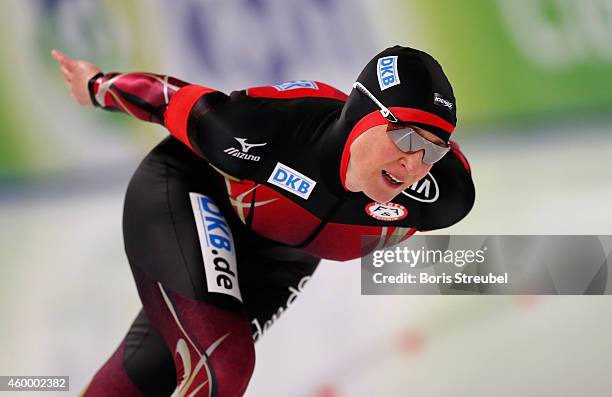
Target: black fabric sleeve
{"x": 237, "y": 134}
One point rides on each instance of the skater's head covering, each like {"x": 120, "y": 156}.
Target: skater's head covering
{"x": 411, "y": 85}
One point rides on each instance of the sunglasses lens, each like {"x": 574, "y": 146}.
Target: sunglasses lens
{"x": 402, "y": 139}
{"x": 434, "y": 154}
{"x": 430, "y": 158}
{"x": 408, "y": 140}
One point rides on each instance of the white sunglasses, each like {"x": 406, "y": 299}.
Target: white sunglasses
{"x": 406, "y": 139}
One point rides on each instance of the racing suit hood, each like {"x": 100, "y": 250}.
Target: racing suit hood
{"x": 411, "y": 84}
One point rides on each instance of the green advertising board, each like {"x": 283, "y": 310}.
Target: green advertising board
{"x": 508, "y": 60}
{"x": 519, "y": 59}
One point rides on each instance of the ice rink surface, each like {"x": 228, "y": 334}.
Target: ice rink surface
{"x": 67, "y": 296}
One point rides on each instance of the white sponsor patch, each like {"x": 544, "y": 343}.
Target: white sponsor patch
{"x": 289, "y": 179}
{"x": 294, "y": 84}
{"x": 426, "y": 190}
{"x": 217, "y": 244}
{"x": 386, "y": 211}
{"x": 387, "y": 72}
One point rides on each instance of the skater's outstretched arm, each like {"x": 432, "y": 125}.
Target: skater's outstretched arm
{"x": 141, "y": 95}
{"x": 217, "y": 127}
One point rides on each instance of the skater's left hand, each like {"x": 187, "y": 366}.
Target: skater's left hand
{"x": 76, "y": 73}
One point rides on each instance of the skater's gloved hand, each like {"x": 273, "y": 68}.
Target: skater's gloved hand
{"x": 76, "y": 73}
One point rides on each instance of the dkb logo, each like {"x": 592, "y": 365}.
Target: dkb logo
{"x": 387, "y": 72}
{"x": 289, "y": 179}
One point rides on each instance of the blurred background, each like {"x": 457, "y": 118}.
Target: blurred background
{"x": 533, "y": 81}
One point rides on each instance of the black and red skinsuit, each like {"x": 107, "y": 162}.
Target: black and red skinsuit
{"x": 226, "y": 219}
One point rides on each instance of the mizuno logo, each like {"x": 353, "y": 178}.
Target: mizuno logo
{"x": 247, "y": 146}
{"x": 243, "y": 154}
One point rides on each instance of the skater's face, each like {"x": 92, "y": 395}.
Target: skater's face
{"x": 379, "y": 169}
